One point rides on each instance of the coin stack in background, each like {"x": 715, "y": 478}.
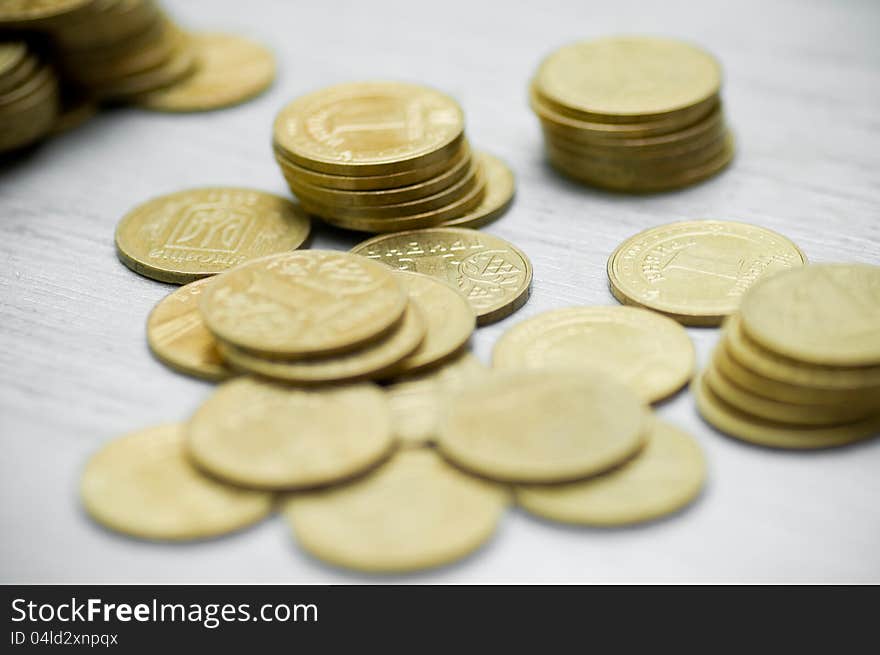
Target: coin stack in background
{"x": 29, "y": 96}
{"x": 799, "y": 365}
{"x": 635, "y": 114}
{"x": 385, "y": 157}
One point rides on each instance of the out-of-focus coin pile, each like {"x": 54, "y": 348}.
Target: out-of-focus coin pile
{"x": 98, "y": 51}
{"x": 385, "y": 157}
{"x": 632, "y": 114}
{"x": 799, "y": 365}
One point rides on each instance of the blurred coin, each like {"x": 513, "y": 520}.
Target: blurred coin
{"x": 19, "y": 13}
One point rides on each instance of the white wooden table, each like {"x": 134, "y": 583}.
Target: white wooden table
{"x": 802, "y": 92}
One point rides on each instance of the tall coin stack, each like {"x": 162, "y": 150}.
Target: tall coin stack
{"x": 799, "y": 365}
{"x": 379, "y": 156}
{"x": 632, "y": 114}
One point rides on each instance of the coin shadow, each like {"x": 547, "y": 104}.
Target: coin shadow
{"x": 322, "y": 231}
{"x": 19, "y": 157}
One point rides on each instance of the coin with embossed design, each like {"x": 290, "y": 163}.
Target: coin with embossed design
{"x": 195, "y": 233}
{"x": 143, "y": 484}
{"x": 494, "y": 275}
{"x": 413, "y": 512}
{"x": 266, "y": 436}
{"x": 369, "y": 128}
{"x": 230, "y": 70}
{"x": 177, "y": 335}
{"x": 651, "y": 354}
{"x": 303, "y": 303}
{"x": 697, "y": 271}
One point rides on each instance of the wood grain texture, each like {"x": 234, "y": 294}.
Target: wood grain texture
{"x": 802, "y": 92}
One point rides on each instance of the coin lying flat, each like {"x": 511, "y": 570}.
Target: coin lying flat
{"x": 493, "y": 275}
{"x": 177, "y": 335}
{"x": 314, "y": 302}
{"x": 418, "y": 401}
{"x": 143, "y": 485}
{"x": 543, "y": 426}
{"x": 411, "y": 513}
{"x": 500, "y": 188}
{"x": 369, "y": 128}
{"x": 267, "y": 436}
{"x": 745, "y": 427}
{"x": 665, "y": 476}
{"x": 823, "y": 314}
{"x": 230, "y": 70}
{"x": 449, "y": 319}
{"x": 375, "y": 360}
{"x": 697, "y": 271}
{"x": 192, "y": 234}
{"x": 649, "y": 353}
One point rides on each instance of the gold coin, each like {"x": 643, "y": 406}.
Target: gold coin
{"x": 629, "y": 77}
{"x": 265, "y": 436}
{"x": 783, "y": 369}
{"x": 666, "y": 475}
{"x": 500, "y": 188}
{"x": 418, "y": 401}
{"x": 369, "y": 128}
{"x": 303, "y": 303}
{"x": 494, "y": 275}
{"x": 649, "y": 353}
{"x": 179, "y": 65}
{"x": 822, "y": 314}
{"x": 195, "y": 233}
{"x": 144, "y": 485}
{"x": 375, "y": 360}
{"x": 414, "y": 512}
{"x": 12, "y": 55}
{"x": 177, "y": 335}
{"x": 697, "y": 271}
{"x": 543, "y": 426}
{"x": 230, "y": 70}
{"x": 781, "y": 412}
{"x": 24, "y": 11}
{"x": 449, "y": 319}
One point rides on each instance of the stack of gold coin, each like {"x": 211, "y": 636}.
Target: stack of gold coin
{"x": 799, "y": 365}
{"x": 387, "y": 156}
{"x": 317, "y": 317}
{"x": 29, "y": 96}
{"x": 635, "y": 114}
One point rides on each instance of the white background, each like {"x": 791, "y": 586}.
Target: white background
{"x": 802, "y": 93}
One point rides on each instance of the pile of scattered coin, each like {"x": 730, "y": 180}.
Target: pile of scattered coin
{"x": 113, "y": 51}
{"x": 385, "y": 157}
{"x": 635, "y": 114}
{"x": 799, "y": 365}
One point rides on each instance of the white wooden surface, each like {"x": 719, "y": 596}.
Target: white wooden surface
{"x": 802, "y": 91}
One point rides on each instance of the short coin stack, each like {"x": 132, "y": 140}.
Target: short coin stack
{"x": 799, "y": 366}
{"x": 635, "y": 114}
{"x": 29, "y": 96}
{"x": 386, "y": 156}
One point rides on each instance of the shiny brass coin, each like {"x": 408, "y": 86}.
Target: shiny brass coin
{"x": 781, "y": 412}
{"x": 414, "y": 512}
{"x": 449, "y": 319}
{"x": 265, "y": 436}
{"x": 649, "y": 353}
{"x": 21, "y": 12}
{"x": 369, "y": 128}
{"x": 628, "y": 78}
{"x": 822, "y": 314}
{"x": 374, "y": 360}
{"x": 543, "y": 426}
{"x": 500, "y": 188}
{"x": 665, "y": 476}
{"x": 372, "y": 182}
{"x": 418, "y": 401}
{"x": 144, "y": 485}
{"x": 304, "y": 303}
{"x": 745, "y": 427}
{"x": 195, "y": 233}
{"x": 494, "y": 275}
{"x": 230, "y": 70}
{"x": 177, "y": 335}
{"x": 387, "y": 198}
{"x": 697, "y": 271}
